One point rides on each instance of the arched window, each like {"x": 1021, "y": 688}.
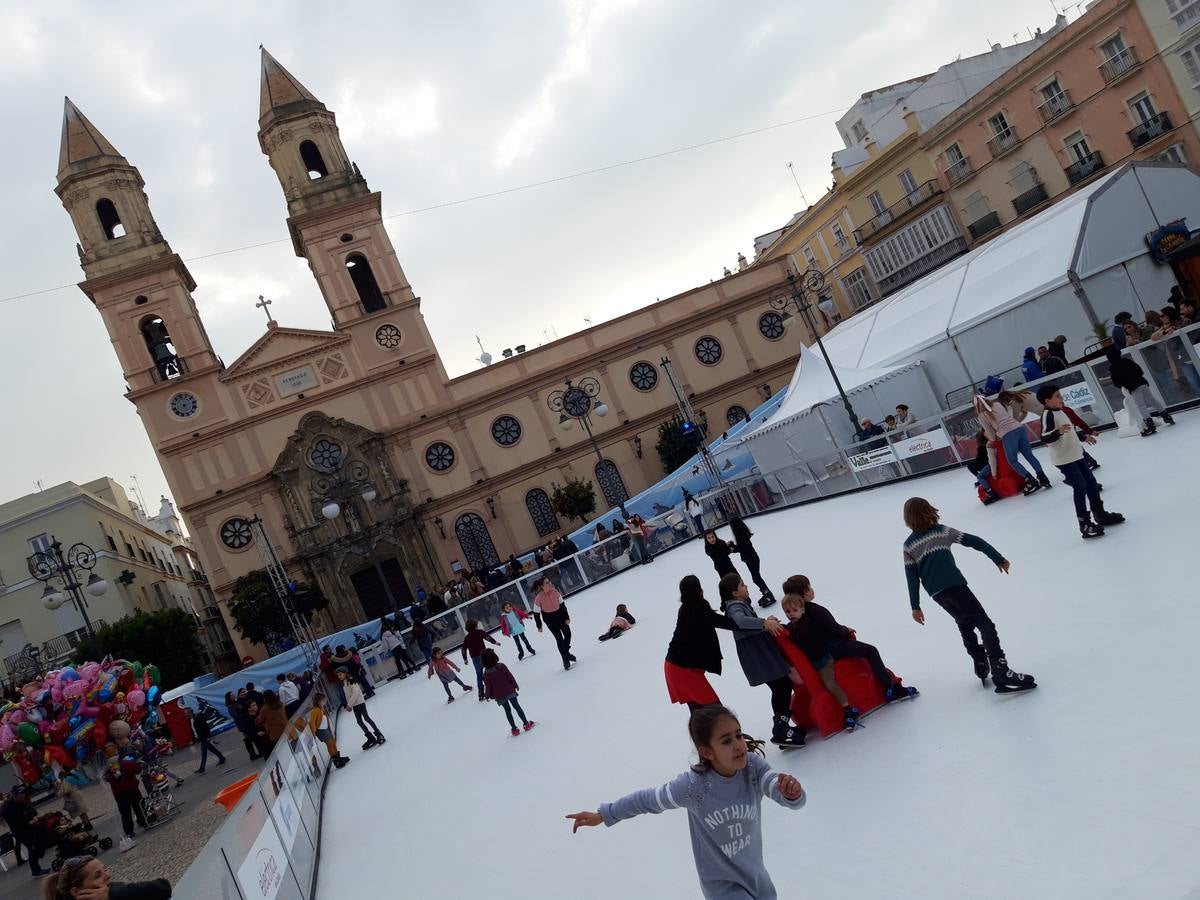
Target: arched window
{"x": 313, "y": 163}
{"x": 365, "y": 283}
{"x": 158, "y": 341}
{"x": 542, "y": 513}
{"x": 110, "y": 221}
{"x": 611, "y": 483}
{"x": 476, "y": 542}
{"x": 736, "y": 414}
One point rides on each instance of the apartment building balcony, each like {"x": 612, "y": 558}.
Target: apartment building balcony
{"x": 1119, "y": 65}
{"x": 984, "y": 225}
{"x": 1003, "y": 142}
{"x": 1085, "y": 168}
{"x": 50, "y": 655}
{"x": 959, "y": 171}
{"x": 898, "y": 212}
{"x": 1154, "y": 127}
{"x": 923, "y": 266}
{"x": 1056, "y": 106}
{"x": 1027, "y": 200}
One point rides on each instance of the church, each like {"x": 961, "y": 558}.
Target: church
{"x": 372, "y": 471}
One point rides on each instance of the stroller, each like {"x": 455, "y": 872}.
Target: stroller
{"x": 159, "y": 803}
{"x": 68, "y": 838}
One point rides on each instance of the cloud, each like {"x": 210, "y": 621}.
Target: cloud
{"x": 402, "y": 112}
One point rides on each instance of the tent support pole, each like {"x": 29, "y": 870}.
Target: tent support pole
{"x": 1088, "y": 309}
{"x": 961, "y": 360}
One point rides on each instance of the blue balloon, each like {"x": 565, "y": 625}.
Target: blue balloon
{"x": 74, "y": 722}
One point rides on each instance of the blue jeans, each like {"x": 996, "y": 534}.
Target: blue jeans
{"x": 510, "y": 703}
{"x": 1015, "y": 443}
{"x": 981, "y": 478}
{"x": 1083, "y": 483}
{"x": 478, "y": 672}
{"x": 205, "y": 747}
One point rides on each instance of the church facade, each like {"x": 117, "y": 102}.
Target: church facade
{"x": 372, "y": 470}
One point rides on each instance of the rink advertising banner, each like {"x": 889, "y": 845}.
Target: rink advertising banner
{"x": 1078, "y": 395}
{"x": 921, "y": 443}
{"x": 261, "y": 873}
{"x": 871, "y": 459}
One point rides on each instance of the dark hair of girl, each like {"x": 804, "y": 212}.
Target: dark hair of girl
{"x": 701, "y": 726}
{"x": 690, "y": 590}
{"x": 741, "y": 531}
{"x": 920, "y": 514}
{"x": 489, "y": 658}
{"x": 727, "y": 586}
{"x": 319, "y": 698}
{"x": 60, "y": 885}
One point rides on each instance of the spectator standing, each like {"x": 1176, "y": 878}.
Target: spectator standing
{"x": 272, "y": 721}
{"x": 18, "y": 813}
{"x": 122, "y": 773}
{"x": 203, "y": 732}
{"x": 289, "y": 695}
{"x": 1029, "y": 365}
{"x": 1117, "y": 332}
{"x": 1050, "y": 363}
{"x": 694, "y": 510}
{"x": 904, "y": 417}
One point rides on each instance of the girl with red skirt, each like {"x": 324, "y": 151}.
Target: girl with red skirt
{"x": 694, "y": 648}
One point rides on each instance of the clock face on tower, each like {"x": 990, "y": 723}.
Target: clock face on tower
{"x": 184, "y": 405}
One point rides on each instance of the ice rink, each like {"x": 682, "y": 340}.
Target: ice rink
{"x": 1088, "y": 787}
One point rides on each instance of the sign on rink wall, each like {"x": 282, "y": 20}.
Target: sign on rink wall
{"x": 261, "y": 873}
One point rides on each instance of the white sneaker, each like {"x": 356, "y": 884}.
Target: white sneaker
{"x": 126, "y": 844}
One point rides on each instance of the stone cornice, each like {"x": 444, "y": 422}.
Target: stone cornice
{"x": 124, "y": 277}
{"x": 244, "y": 366}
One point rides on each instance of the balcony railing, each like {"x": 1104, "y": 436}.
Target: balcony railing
{"x": 1027, "y": 200}
{"x": 923, "y": 266}
{"x": 169, "y": 369}
{"x": 1003, "y": 142}
{"x": 1085, "y": 168}
{"x": 1119, "y": 65}
{"x": 897, "y": 211}
{"x": 1056, "y": 106}
{"x": 984, "y": 225}
{"x": 1145, "y": 132}
{"x": 959, "y": 171}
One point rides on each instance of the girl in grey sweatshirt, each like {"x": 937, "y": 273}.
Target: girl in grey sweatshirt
{"x": 723, "y": 797}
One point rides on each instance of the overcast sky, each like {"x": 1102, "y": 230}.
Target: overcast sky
{"x": 436, "y": 103}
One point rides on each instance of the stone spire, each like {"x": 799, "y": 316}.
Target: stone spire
{"x": 280, "y": 91}
{"x": 81, "y": 140}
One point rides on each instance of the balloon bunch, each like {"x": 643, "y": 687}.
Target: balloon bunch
{"x": 65, "y": 717}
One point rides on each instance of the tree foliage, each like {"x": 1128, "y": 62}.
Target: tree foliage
{"x": 168, "y": 638}
{"x": 576, "y": 499}
{"x": 674, "y": 447}
{"x": 257, "y": 613}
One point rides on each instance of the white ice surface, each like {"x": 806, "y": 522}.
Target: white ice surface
{"x": 1084, "y": 788}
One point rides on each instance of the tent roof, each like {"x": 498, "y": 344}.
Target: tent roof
{"x": 1100, "y": 226}
{"x": 812, "y": 384}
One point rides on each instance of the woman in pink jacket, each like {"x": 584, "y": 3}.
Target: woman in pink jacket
{"x": 554, "y": 614}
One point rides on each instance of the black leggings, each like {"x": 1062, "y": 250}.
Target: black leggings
{"x": 752, "y": 563}
{"x": 781, "y": 696}
{"x": 969, "y": 615}
{"x": 129, "y": 805}
{"x": 559, "y": 626}
{"x": 362, "y": 717}
{"x": 859, "y": 650}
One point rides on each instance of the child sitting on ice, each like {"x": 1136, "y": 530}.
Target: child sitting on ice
{"x": 623, "y": 621}
{"x": 824, "y": 641}
{"x": 981, "y": 468}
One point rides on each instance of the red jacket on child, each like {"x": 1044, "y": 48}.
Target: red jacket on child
{"x": 498, "y": 682}
{"x": 521, "y": 616}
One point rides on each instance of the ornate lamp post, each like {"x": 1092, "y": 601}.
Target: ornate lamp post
{"x": 63, "y": 574}
{"x": 576, "y": 403}
{"x": 798, "y": 296}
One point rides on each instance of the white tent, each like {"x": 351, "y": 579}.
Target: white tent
{"x": 811, "y": 422}
{"x": 1081, "y": 261}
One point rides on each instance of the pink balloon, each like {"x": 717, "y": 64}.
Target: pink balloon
{"x": 17, "y": 716}
{"x": 7, "y": 738}
{"x": 136, "y": 699}
{"x": 56, "y": 695}
{"x": 74, "y": 690}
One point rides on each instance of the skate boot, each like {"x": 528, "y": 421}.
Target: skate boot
{"x": 1166, "y": 417}
{"x": 1148, "y": 427}
{"x": 899, "y": 692}
{"x": 989, "y": 496}
{"x": 529, "y": 725}
{"x": 449, "y": 699}
{"x": 767, "y": 599}
{"x": 1089, "y": 529}
{"x": 1009, "y": 682}
{"x": 850, "y": 717}
{"x": 369, "y": 743}
{"x": 515, "y": 731}
{"x": 982, "y": 669}
{"x": 1032, "y": 486}
{"x": 467, "y": 689}
{"x": 1043, "y": 480}
{"x": 380, "y": 739}
{"x": 1104, "y": 518}
{"x": 783, "y": 735}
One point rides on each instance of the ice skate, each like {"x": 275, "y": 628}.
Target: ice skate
{"x": 982, "y": 670}
{"x": 784, "y": 736}
{"x": 850, "y": 715}
{"x": 529, "y": 725}
{"x": 767, "y": 599}
{"x": 482, "y": 698}
{"x": 1148, "y": 427}
{"x": 1044, "y": 480}
{"x": 1031, "y": 486}
{"x": 989, "y": 496}
{"x": 380, "y": 739}
{"x": 898, "y": 692}
{"x": 516, "y": 731}
{"x": 1009, "y": 682}
{"x": 571, "y": 657}
{"x": 449, "y": 699}
{"x": 467, "y": 688}
{"x": 1105, "y": 518}
{"x": 369, "y": 743}
{"x": 1089, "y": 529}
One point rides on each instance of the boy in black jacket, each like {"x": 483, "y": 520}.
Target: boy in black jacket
{"x": 1129, "y": 377}
{"x": 824, "y": 640}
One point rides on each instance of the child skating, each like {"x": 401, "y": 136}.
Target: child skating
{"x": 1066, "y": 452}
{"x": 928, "y": 562}
{"x": 744, "y": 544}
{"x": 823, "y": 640}
{"x": 473, "y": 644}
{"x": 318, "y": 722}
{"x": 723, "y": 796}
{"x": 620, "y": 624}
{"x": 1128, "y": 376}
{"x": 499, "y": 685}
{"x": 512, "y": 624}
{"x": 446, "y": 671}
{"x": 358, "y": 705}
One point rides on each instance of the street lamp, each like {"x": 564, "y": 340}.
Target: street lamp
{"x": 797, "y": 297}
{"x": 63, "y": 574}
{"x": 576, "y": 403}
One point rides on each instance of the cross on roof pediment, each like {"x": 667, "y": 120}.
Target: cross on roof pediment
{"x": 282, "y": 345}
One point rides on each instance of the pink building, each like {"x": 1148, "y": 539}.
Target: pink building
{"x": 1095, "y": 95}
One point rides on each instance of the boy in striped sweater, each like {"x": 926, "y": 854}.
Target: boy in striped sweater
{"x": 929, "y": 562}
